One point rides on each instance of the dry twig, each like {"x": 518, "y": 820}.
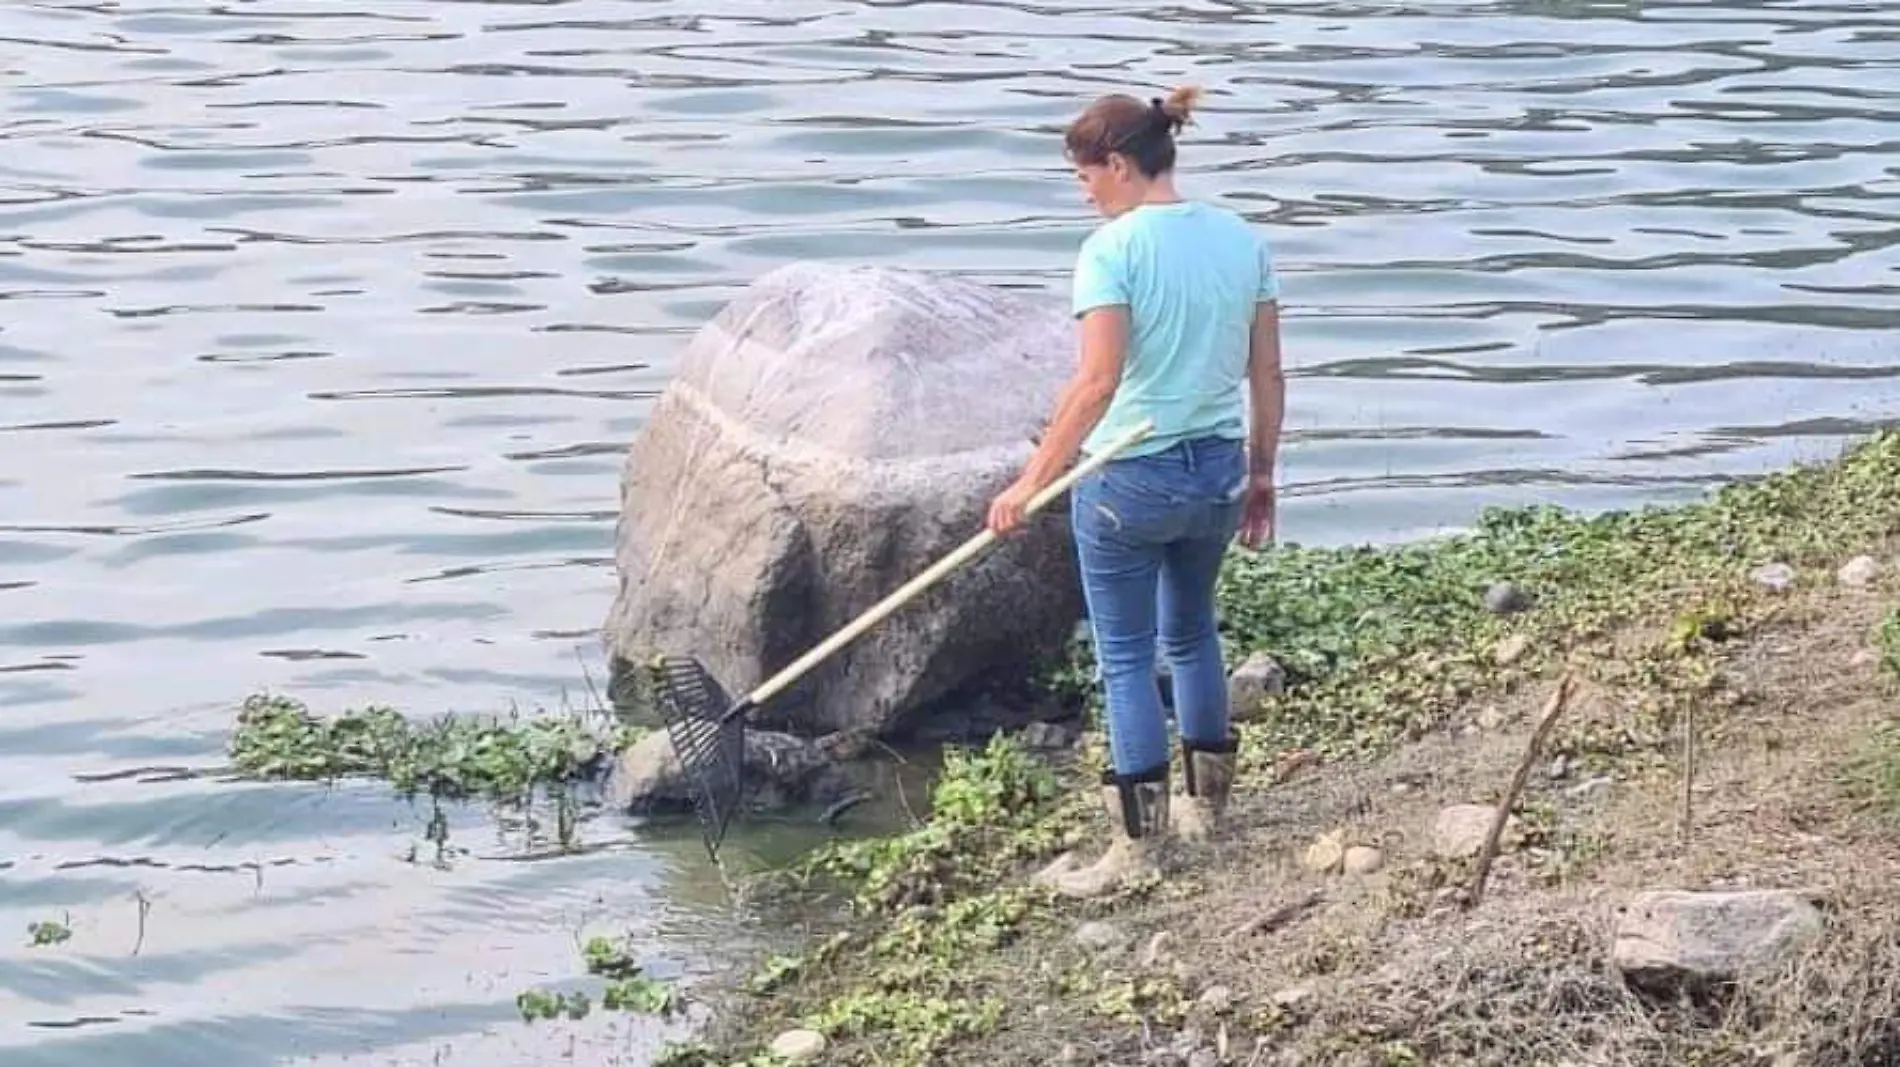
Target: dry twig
{"x": 1552, "y": 709}
{"x": 1276, "y": 917}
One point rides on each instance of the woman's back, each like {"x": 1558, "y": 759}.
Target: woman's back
{"x": 1191, "y": 276}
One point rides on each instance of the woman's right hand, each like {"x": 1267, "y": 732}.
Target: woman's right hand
{"x": 1259, "y": 513}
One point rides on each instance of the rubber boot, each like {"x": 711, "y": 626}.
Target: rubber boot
{"x": 1138, "y": 811}
{"x": 1207, "y": 779}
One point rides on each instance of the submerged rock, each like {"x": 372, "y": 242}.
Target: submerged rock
{"x": 781, "y": 771}
{"x": 829, "y": 434}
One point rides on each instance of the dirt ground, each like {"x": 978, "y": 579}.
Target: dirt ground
{"x": 1260, "y": 961}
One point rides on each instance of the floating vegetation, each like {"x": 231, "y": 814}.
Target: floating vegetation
{"x": 510, "y": 762}
{"x": 628, "y": 988}
{"x": 49, "y": 933}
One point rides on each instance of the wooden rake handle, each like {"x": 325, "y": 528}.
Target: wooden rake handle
{"x": 937, "y": 571}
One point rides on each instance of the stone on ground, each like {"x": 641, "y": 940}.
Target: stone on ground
{"x": 1326, "y": 854}
{"x": 1503, "y": 598}
{"x": 1258, "y": 677}
{"x": 1511, "y": 649}
{"x": 1860, "y": 572}
{"x": 1677, "y": 938}
{"x": 1774, "y": 577}
{"x": 1461, "y": 830}
{"x": 1098, "y": 936}
{"x": 798, "y": 1046}
{"x": 1362, "y": 860}
{"x": 828, "y": 435}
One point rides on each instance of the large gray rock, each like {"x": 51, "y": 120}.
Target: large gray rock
{"x": 1672, "y": 938}
{"x": 829, "y": 434}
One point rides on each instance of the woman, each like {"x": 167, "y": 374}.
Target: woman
{"x": 1179, "y": 323}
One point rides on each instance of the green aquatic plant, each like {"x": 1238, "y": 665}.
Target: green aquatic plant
{"x": 627, "y": 988}
{"x": 641, "y": 994}
{"x": 507, "y": 761}
{"x": 538, "y": 1005}
{"x": 987, "y": 809}
{"x": 1887, "y": 642}
{"x": 48, "y": 933}
{"x": 1379, "y": 642}
{"x": 608, "y": 958}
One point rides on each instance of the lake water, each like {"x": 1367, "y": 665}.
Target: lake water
{"x": 324, "y": 323}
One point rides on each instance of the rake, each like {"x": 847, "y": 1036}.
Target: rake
{"x": 707, "y": 728}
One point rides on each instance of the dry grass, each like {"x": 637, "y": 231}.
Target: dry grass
{"x": 1388, "y": 971}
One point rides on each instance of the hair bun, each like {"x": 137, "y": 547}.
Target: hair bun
{"x": 1179, "y": 105}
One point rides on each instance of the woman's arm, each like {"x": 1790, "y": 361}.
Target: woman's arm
{"x": 1266, "y": 390}
{"x": 1084, "y": 400}
{"x": 1266, "y": 387}
{"x": 1086, "y": 397}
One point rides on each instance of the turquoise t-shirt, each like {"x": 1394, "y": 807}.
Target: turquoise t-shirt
{"x": 1190, "y": 275}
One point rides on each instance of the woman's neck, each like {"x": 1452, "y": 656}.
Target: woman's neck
{"x": 1160, "y": 191}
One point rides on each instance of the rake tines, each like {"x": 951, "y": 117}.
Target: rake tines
{"x": 709, "y": 740}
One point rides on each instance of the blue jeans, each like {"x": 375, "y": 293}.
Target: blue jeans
{"x": 1150, "y": 534}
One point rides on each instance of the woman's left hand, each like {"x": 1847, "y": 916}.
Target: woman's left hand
{"x": 1006, "y": 511}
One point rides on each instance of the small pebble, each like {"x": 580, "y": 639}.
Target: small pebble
{"x": 1159, "y": 951}
{"x": 1326, "y": 853}
{"x": 1511, "y": 649}
{"x": 1560, "y": 768}
{"x": 798, "y": 1046}
{"x": 1293, "y": 997}
{"x": 1592, "y": 787}
{"x": 1363, "y": 860}
{"x": 1047, "y": 735}
{"x": 1775, "y": 577}
{"x": 1860, "y": 572}
{"x": 1217, "y": 999}
{"x": 1098, "y": 936}
{"x": 1203, "y": 1057}
{"x": 1503, "y": 598}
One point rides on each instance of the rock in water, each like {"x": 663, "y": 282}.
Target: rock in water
{"x": 832, "y": 432}
{"x": 780, "y": 771}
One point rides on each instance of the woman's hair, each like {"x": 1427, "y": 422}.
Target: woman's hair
{"x": 1122, "y": 124}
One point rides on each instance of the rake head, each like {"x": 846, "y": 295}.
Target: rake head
{"x": 708, "y": 734}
